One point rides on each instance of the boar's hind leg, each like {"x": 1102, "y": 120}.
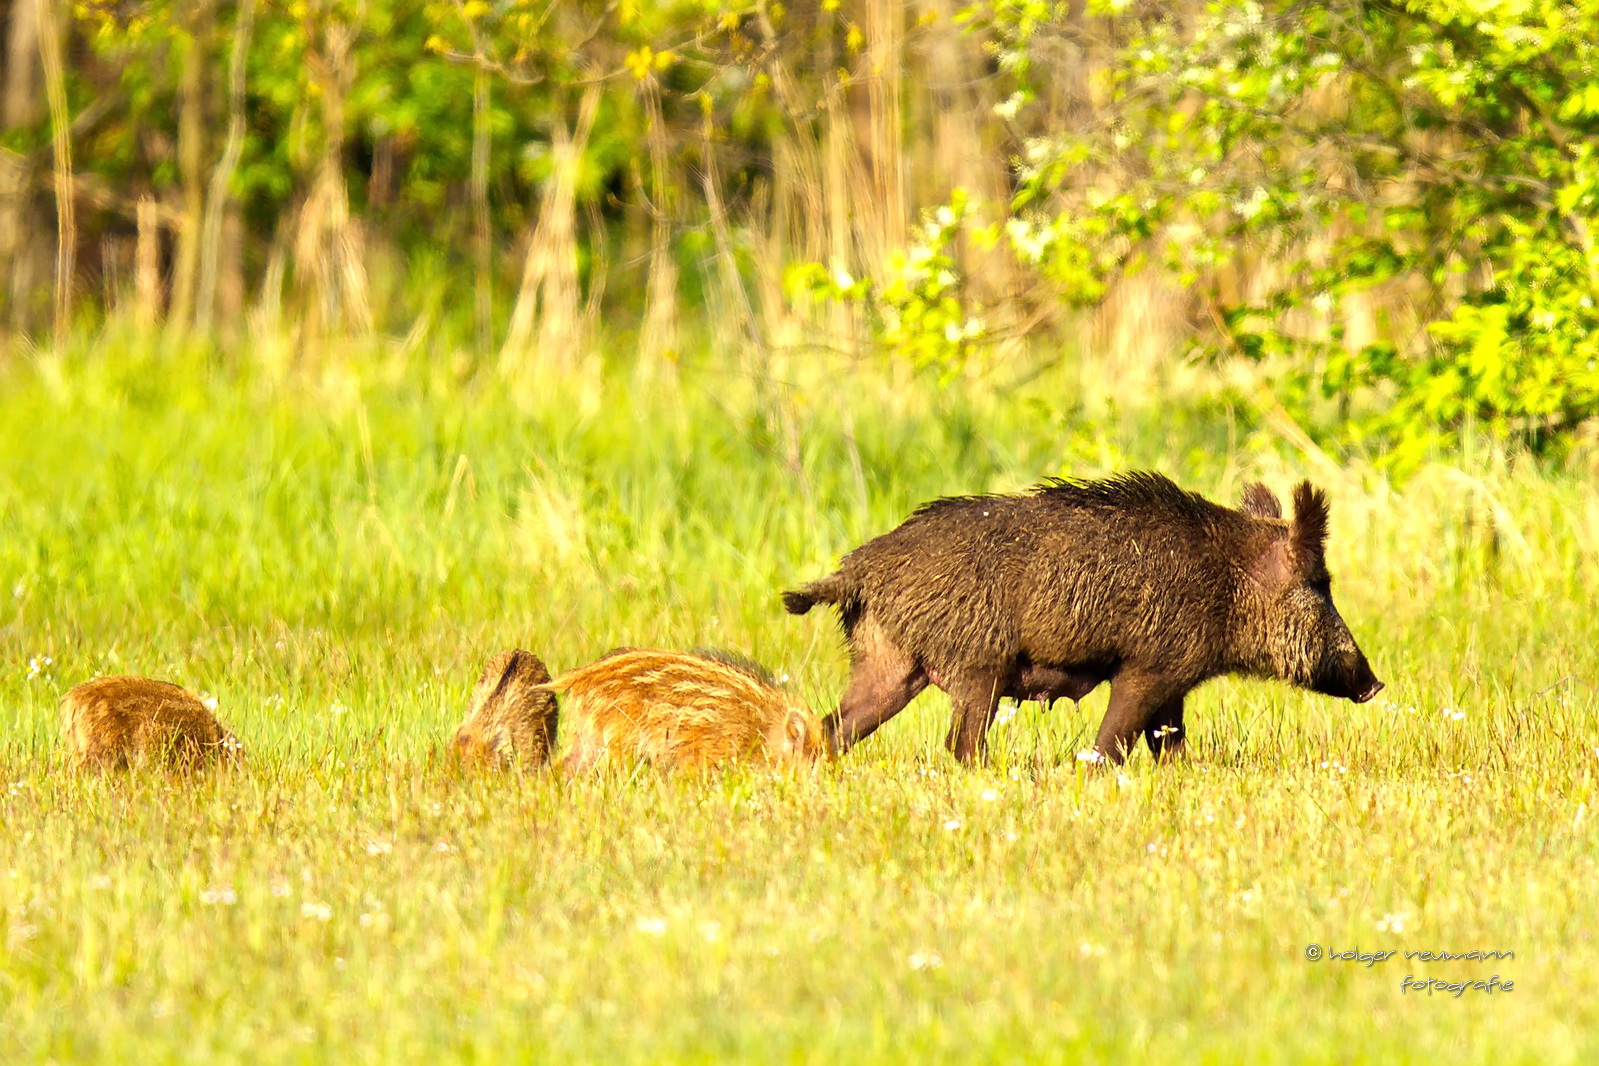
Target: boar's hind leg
{"x": 883, "y": 681}
{"x": 1164, "y": 731}
{"x": 975, "y": 700}
{"x": 1136, "y": 699}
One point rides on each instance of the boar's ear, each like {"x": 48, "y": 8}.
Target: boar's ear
{"x": 1261, "y": 502}
{"x": 1274, "y": 567}
{"x": 1309, "y": 530}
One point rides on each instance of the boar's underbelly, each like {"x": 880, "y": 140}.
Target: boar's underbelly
{"x": 1047, "y": 683}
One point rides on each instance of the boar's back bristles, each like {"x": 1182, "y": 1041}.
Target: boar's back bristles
{"x": 116, "y": 722}
{"x": 680, "y": 710}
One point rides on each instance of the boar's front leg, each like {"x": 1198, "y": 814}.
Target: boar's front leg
{"x": 1136, "y": 699}
{"x": 1164, "y": 731}
{"x": 975, "y": 700}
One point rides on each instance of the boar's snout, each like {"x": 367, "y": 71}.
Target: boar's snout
{"x": 1347, "y": 675}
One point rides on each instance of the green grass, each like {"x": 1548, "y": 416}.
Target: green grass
{"x": 333, "y": 550}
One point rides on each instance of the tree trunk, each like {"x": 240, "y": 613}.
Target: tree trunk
{"x": 218, "y": 198}
{"x": 147, "y": 264}
{"x": 482, "y": 237}
{"x": 19, "y": 106}
{"x": 196, "y": 20}
{"x": 50, "y": 30}
{"x": 885, "y": 146}
{"x": 546, "y": 320}
{"x": 658, "y": 342}
{"x": 327, "y": 246}
{"x": 959, "y": 157}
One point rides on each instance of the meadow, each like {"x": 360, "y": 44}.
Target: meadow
{"x": 332, "y": 546}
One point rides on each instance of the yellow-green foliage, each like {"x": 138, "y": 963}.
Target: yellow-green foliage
{"x": 333, "y": 551}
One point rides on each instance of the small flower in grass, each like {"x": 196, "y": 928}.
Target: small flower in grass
{"x": 1089, "y": 755}
{"x": 952, "y": 825}
{"x": 1452, "y": 715}
{"x": 1004, "y": 715}
{"x": 989, "y": 795}
{"x": 39, "y": 666}
{"x": 322, "y": 912}
{"x": 926, "y": 960}
{"x": 222, "y": 894}
{"x": 378, "y": 847}
{"x": 651, "y": 926}
{"x": 338, "y": 709}
{"x": 209, "y": 701}
{"x": 100, "y": 881}
{"x": 1393, "y": 922}
{"x": 444, "y": 847}
{"x": 1123, "y": 780}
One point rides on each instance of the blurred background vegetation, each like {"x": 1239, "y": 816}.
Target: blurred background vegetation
{"x": 1375, "y": 216}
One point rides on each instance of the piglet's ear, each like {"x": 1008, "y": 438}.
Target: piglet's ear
{"x": 1261, "y": 502}
{"x": 1309, "y": 531}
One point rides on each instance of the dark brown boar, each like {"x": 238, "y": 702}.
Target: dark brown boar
{"x": 511, "y": 718}
{"x": 1129, "y": 580}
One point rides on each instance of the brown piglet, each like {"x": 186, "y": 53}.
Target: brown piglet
{"x": 682, "y": 710}
{"x": 118, "y": 722}
{"x": 512, "y": 718}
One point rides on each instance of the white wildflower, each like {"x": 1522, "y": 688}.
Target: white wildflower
{"x": 1393, "y": 923}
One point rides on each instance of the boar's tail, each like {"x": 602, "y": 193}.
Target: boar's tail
{"x": 830, "y": 589}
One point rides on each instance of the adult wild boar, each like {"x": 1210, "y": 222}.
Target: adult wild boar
{"x": 1129, "y": 580}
